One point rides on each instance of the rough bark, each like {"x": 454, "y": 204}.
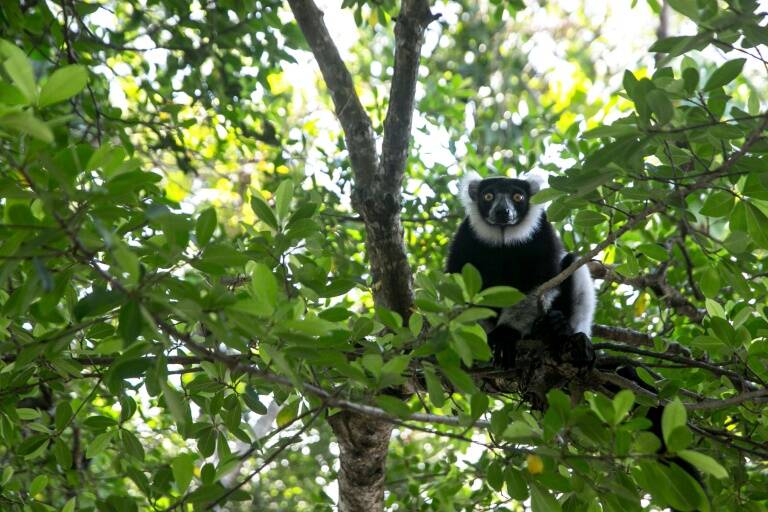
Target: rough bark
{"x": 378, "y": 181}
{"x": 363, "y": 444}
{"x": 376, "y": 196}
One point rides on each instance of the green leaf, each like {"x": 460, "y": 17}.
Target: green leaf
{"x": 686, "y": 7}
{"x": 27, "y": 414}
{"x": 674, "y": 416}
{"x": 679, "y": 439}
{"x": 262, "y": 210}
{"x": 128, "y": 262}
{"x": 714, "y": 309}
{"x": 675, "y": 45}
{"x": 704, "y": 463}
{"x": 474, "y": 337}
{"x": 611, "y": 131}
{"x": 394, "y": 406}
{"x": 99, "y": 444}
{"x": 38, "y": 484}
{"x": 69, "y": 506}
{"x": 757, "y": 225}
{"x": 718, "y": 204}
{"x": 471, "y": 315}
{"x": 416, "y": 324}
{"x": 131, "y": 445}
{"x": 99, "y": 422}
{"x": 542, "y": 500}
{"x": 311, "y": 326}
{"x": 62, "y": 84}
{"x": 25, "y": 122}
{"x": 251, "y": 399}
{"x": 725, "y": 74}
{"x": 177, "y": 404}
{"x": 603, "y": 407}
{"x": 690, "y": 79}
{"x": 396, "y": 366}
{"x": 546, "y": 195}
{"x": 19, "y": 68}
{"x": 459, "y": 379}
{"x": 654, "y": 251}
{"x": 63, "y": 415}
{"x": 630, "y": 83}
{"x": 206, "y": 442}
{"x": 263, "y": 286}
{"x": 283, "y": 197}
{"x": 517, "y": 488}
{"x": 661, "y": 105}
{"x": 478, "y": 404}
{"x": 373, "y": 363}
{"x": 434, "y": 388}
{"x": 495, "y": 476}
{"x": 130, "y": 321}
{"x": 622, "y": 404}
{"x": 389, "y": 318}
{"x": 183, "y": 467}
{"x": 709, "y": 282}
{"x": 287, "y": 414}
{"x": 206, "y": 224}
{"x": 62, "y": 453}
{"x": 473, "y": 281}
{"x": 500, "y": 297}
{"x": 589, "y": 218}
{"x": 222, "y": 255}
{"x": 682, "y": 491}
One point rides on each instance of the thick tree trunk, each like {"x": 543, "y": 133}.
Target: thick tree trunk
{"x": 377, "y": 197}
{"x": 363, "y": 442}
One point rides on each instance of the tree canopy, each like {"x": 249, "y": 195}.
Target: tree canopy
{"x": 223, "y": 235}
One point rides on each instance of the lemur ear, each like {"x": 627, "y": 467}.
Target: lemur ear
{"x": 468, "y": 187}
{"x": 472, "y": 188}
{"x": 535, "y": 181}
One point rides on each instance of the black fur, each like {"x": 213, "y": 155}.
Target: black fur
{"x": 523, "y": 266}
{"x": 524, "y": 263}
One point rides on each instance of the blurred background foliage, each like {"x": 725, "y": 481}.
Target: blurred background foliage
{"x": 172, "y": 171}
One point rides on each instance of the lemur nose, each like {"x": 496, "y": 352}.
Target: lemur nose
{"x": 503, "y": 215}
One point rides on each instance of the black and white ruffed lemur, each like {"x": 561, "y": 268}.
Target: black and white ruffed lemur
{"x": 511, "y": 243}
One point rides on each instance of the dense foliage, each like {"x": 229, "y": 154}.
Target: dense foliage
{"x": 185, "y": 292}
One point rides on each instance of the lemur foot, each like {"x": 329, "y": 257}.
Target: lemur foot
{"x": 503, "y": 342}
{"x": 558, "y": 336}
{"x": 578, "y": 350}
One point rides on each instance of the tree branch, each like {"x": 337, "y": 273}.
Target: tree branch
{"x": 358, "y": 130}
{"x": 413, "y": 19}
{"x": 759, "y": 396}
{"x": 377, "y": 184}
{"x": 623, "y": 335}
{"x": 686, "y": 361}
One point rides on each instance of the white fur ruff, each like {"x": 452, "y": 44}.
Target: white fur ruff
{"x": 498, "y": 235}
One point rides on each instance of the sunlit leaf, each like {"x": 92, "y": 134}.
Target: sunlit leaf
{"x": 63, "y": 84}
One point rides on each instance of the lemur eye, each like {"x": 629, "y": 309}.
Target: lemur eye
{"x": 488, "y": 196}
{"x": 518, "y": 197}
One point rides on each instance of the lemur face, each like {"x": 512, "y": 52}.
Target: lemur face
{"x": 502, "y": 201}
